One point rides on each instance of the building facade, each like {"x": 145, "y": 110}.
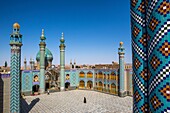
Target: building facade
{"x": 41, "y": 75}
{"x": 109, "y": 78}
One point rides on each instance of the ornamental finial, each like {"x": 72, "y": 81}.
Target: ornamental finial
{"x": 42, "y": 35}
{"x": 70, "y": 61}
{"x": 62, "y": 35}
{"x": 16, "y": 26}
{"x": 121, "y": 43}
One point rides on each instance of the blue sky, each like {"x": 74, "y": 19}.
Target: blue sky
{"x": 92, "y": 28}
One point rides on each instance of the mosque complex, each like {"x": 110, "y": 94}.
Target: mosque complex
{"x": 41, "y": 76}
{"x": 149, "y": 85}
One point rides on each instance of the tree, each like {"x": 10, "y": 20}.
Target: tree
{"x": 6, "y": 64}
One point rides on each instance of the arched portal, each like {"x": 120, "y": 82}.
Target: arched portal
{"x": 89, "y": 84}
{"x": 113, "y": 88}
{"x": 52, "y": 79}
{"x": 100, "y": 75}
{"x": 35, "y": 87}
{"x": 81, "y": 84}
{"x": 113, "y": 76}
{"x": 100, "y": 86}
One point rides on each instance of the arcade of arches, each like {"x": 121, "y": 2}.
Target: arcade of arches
{"x": 103, "y": 82}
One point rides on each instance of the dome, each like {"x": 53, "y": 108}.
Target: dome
{"x": 48, "y": 55}
{"x": 16, "y": 25}
{"x": 121, "y": 43}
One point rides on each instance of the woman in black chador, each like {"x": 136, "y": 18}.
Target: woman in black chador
{"x": 84, "y": 99}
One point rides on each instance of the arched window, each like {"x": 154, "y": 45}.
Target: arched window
{"x": 81, "y": 74}
{"x": 89, "y": 74}
{"x": 100, "y": 75}
{"x": 81, "y": 84}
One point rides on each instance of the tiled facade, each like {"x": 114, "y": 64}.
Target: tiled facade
{"x": 150, "y": 24}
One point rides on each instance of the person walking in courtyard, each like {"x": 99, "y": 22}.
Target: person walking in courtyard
{"x": 84, "y": 99}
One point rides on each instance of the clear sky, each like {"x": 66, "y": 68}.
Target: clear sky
{"x": 92, "y": 28}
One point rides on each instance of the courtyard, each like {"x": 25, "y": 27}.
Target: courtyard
{"x": 73, "y": 102}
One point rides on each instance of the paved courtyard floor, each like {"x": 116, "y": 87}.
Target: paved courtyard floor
{"x": 72, "y": 102}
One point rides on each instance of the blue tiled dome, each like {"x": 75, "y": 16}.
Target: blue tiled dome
{"x": 48, "y": 55}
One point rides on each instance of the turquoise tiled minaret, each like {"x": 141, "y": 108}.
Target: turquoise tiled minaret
{"x": 121, "y": 70}
{"x": 62, "y": 63}
{"x": 150, "y": 24}
{"x": 25, "y": 64}
{"x": 31, "y": 64}
{"x": 74, "y": 63}
{"x": 42, "y": 62}
{"x": 15, "y": 43}
{"x": 70, "y": 64}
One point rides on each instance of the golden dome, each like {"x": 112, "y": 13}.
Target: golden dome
{"x": 121, "y": 43}
{"x": 16, "y": 25}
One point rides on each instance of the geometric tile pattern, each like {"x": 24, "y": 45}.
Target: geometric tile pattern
{"x": 144, "y": 108}
{"x": 121, "y": 52}
{"x": 137, "y": 96}
{"x": 138, "y": 18}
{"x": 135, "y": 109}
{"x": 143, "y": 40}
{"x": 27, "y": 81}
{"x": 134, "y": 2}
{"x": 151, "y": 74}
{"x": 153, "y": 24}
{"x": 141, "y": 8}
{"x": 139, "y": 45}
{"x": 140, "y": 85}
{"x": 165, "y": 49}
{"x": 137, "y": 63}
{"x": 15, "y": 80}
{"x": 143, "y": 74}
{"x": 155, "y": 62}
{"x": 165, "y": 91}
{"x": 136, "y": 31}
{"x": 15, "y": 43}
{"x": 150, "y": 8}
{"x": 139, "y": 51}
{"x": 156, "y": 103}
{"x": 160, "y": 77}
{"x": 166, "y": 110}
{"x": 164, "y": 8}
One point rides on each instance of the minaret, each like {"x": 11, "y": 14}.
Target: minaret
{"x": 42, "y": 62}
{"x": 31, "y": 64}
{"x": 15, "y": 43}
{"x": 25, "y": 64}
{"x": 74, "y": 64}
{"x": 70, "y": 64}
{"x": 121, "y": 70}
{"x": 62, "y": 63}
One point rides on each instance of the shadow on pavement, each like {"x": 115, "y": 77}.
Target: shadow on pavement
{"x": 25, "y": 107}
{"x": 1, "y": 94}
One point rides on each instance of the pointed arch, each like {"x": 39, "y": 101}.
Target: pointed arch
{"x": 89, "y": 74}
{"x": 81, "y": 74}
{"x": 89, "y": 84}
{"x": 81, "y": 84}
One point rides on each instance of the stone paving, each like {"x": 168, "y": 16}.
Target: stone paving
{"x": 72, "y": 102}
